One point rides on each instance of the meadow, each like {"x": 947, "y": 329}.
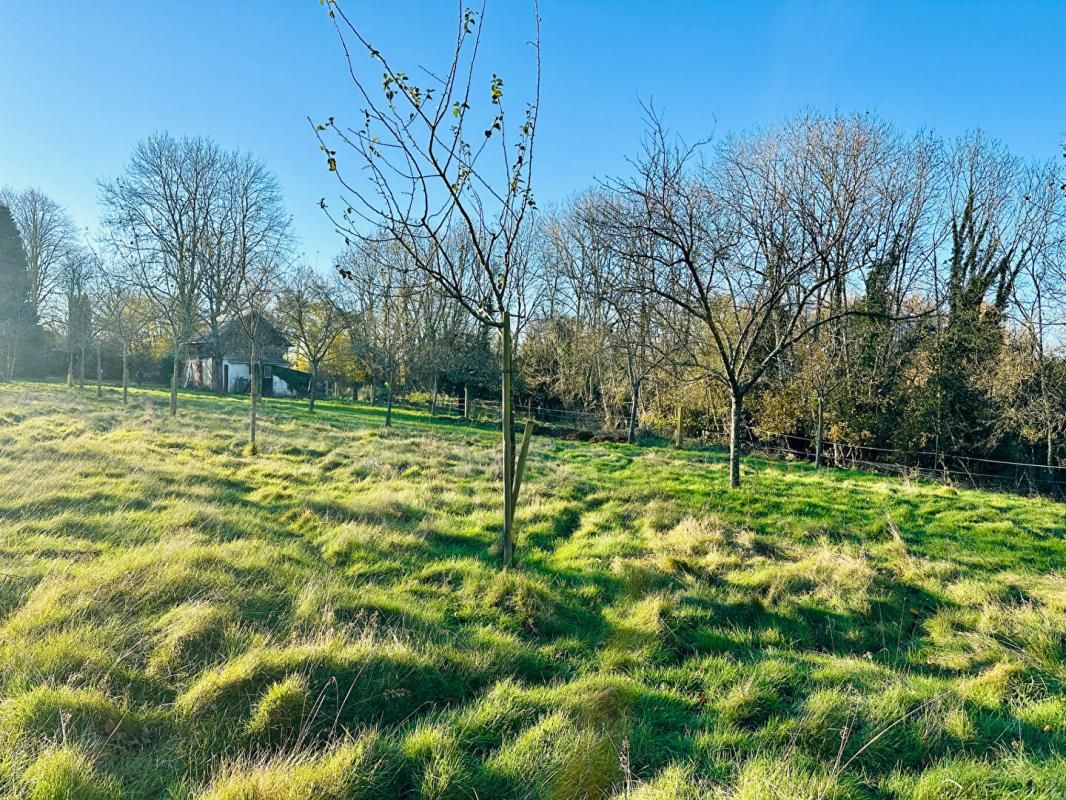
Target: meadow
{"x": 181, "y": 619}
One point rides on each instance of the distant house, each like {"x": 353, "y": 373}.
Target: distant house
{"x": 278, "y": 378}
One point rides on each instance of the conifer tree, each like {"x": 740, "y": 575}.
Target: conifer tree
{"x": 16, "y": 311}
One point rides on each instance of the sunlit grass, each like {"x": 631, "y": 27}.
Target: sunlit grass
{"x": 178, "y": 618}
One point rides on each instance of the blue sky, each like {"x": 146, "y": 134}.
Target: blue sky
{"x": 81, "y": 82}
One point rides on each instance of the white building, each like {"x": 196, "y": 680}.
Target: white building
{"x": 223, "y": 361}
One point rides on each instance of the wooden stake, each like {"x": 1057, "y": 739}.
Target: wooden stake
{"x": 506, "y": 540}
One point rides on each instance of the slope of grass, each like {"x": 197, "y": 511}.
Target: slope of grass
{"x": 326, "y": 620}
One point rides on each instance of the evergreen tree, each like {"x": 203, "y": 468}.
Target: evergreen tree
{"x": 16, "y": 311}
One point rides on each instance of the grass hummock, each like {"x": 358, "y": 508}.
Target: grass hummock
{"x": 181, "y": 619}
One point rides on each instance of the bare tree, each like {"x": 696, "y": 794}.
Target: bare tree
{"x": 1001, "y": 214}
{"x": 574, "y": 339}
{"x": 729, "y": 242}
{"x": 642, "y": 340}
{"x": 159, "y": 216}
{"x": 307, "y": 310}
{"x": 47, "y": 236}
{"x": 250, "y": 299}
{"x": 258, "y": 241}
{"x": 1028, "y": 381}
{"x": 76, "y": 278}
{"x": 998, "y": 219}
{"x": 448, "y": 186}
{"x": 123, "y": 313}
{"x": 220, "y": 274}
{"x": 382, "y": 311}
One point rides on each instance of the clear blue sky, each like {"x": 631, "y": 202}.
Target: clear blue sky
{"x": 81, "y": 82}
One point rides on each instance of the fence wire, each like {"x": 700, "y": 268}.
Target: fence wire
{"x": 945, "y": 467}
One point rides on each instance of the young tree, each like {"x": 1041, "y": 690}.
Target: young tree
{"x": 250, "y": 299}
{"x": 447, "y": 186}
{"x": 259, "y": 242}
{"x": 311, "y": 317}
{"x": 123, "y": 314}
{"x": 343, "y": 362}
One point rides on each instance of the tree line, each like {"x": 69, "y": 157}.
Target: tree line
{"x": 829, "y": 278}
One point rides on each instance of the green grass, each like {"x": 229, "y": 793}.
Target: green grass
{"x": 326, "y": 620}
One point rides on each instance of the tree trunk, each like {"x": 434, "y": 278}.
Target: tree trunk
{"x": 735, "y": 412}
{"x": 507, "y": 540}
{"x": 433, "y": 404}
{"x": 253, "y": 389}
{"x": 373, "y": 392}
{"x": 81, "y": 368}
{"x": 12, "y": 357}
{"x": 677, "y": 427}
{"x": 632, "y": 432}
{"x": 125, "y": 375}
{"x": 99, "y": 373}
{"x": 819, "y": 431}
{"x": 216, "y": 375}
{"x": 466, "y": 401}
{"x": 311, "y": 390}
{"x": 355, "y": 392}
{"x": 174, "y": 384}
{"x": 70, "y": 369}
{"x": 388, "y": 407}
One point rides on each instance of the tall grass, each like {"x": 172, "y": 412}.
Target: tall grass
{"x": 326, "y": 620}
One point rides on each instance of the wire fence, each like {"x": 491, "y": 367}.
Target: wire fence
{"x": 930, "y": 465}
{"x": 942, "y": 466}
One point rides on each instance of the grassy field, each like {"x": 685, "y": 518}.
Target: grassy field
{"x": 326, "y": 620}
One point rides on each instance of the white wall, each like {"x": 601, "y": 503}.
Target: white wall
{"x": 281, "y": 389}
{"x": 236, "y": 371}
